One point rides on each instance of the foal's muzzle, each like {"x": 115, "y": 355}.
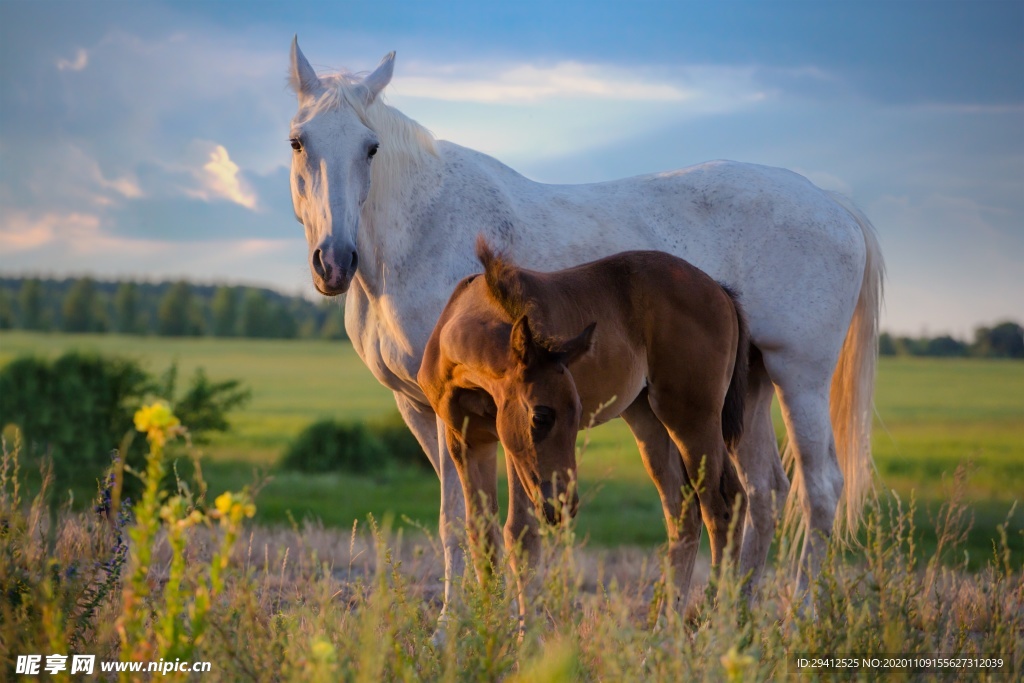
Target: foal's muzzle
{"x": 552, "y": 504}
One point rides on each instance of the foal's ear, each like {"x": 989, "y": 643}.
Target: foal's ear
{"x": 379, "y": 79}
{"x": 521, "y": 343}
{"x": 301, "y": 77}
{"x": 568, "y": 351}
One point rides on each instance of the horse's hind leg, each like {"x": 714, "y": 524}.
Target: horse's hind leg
{"x": 804, "y": 397}
{"x": 665, "y": 466}
{"x": 760, "y": 470}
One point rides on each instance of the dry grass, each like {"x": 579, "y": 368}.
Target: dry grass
{"x": 311, "y": 603}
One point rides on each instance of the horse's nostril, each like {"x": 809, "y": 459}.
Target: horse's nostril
{"x": 355, "y": 260}
{"x": 318, "y": 263}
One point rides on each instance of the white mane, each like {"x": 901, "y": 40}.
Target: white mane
{"x": 405, "y": 139}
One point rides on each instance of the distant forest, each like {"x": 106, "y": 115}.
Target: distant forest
{"x": 173, "y": 309}
{"x": 182, "y": 309}
{"x": 1002, "y": 340}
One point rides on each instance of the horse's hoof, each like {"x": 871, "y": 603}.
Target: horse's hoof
{"x": 437, "y": 640}
{"x": 440, "y": 636}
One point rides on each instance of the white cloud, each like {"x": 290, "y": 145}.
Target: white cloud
{"x": 219, "y": 179}
{"x": 19, "y": 233}
{"x": 75, "y": 245}
{"x": 80, "y": 61}
{"x": 690, "y": 88}
{"x": 22, "y": 231}
{"x": 527, "y": 83}
{"x": 526, "y": 112}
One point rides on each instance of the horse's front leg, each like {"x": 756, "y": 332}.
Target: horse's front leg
{"x": 476, "y": 467}
{"x": 429, "y": 431}
{"x": 522, "y": 540}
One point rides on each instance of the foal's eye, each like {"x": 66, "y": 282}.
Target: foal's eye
{"x": 372, "y": 152}
{"x": 296, "y": 145}
{"x": 542, "y": 421}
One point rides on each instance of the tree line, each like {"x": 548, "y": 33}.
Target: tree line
{"x": 1002, "y": 340}
{"x": 174, "y": 309}
{"x": 182, "y": 309}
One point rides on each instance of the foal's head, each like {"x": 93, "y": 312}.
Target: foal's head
{"x": 539, "y": 416}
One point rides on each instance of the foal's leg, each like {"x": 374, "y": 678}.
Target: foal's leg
{"x": 698, "y": 436}
{"x": 521, "y": 539}
{"x": 760, "y": 470}
{"x": 477, "y": 471}
{"x": 665, "y": 466}
{"x": 429, "y": 431}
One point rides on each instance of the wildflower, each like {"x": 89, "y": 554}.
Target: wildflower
{"x": 158, "y": 422}
{"x": 323, "y": 650}
{"x": 233, "y": 506}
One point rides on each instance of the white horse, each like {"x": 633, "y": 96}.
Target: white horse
{"x": 391, "y": 216}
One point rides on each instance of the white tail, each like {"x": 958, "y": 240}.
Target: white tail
{"x": 850, "y": 398}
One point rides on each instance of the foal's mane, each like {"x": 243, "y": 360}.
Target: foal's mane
{"x": 504, "y": 280}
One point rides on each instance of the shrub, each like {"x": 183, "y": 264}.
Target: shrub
{"x": 74, "y": 410}
{"x": 101, "y": 582}
{"x": 329, "y": 446}
{"x": 204, "y": 405}
{"x": 77, "y": 409}
{"x": 399, "y": 444}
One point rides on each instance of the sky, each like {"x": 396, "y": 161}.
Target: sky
{"x": 149, "y": 139}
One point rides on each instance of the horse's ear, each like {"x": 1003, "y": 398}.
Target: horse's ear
{"x": 568, "y": 351}
{"x": 301, "y": 77}
{"x": 381, "y": 76}
{"x": 521, "y": 344}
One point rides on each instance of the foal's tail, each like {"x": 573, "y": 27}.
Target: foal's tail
{"x": 735, "y": 397}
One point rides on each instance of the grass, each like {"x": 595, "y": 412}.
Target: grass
{"x": 933, "y": 414}
{"x": 197, "y": 583}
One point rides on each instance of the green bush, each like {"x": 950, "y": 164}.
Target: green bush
{"x": 77, "y": 409}
{"x": 74, "y": 410}
{"x": 399, "y": 444}
{"x": 329, "y": 445}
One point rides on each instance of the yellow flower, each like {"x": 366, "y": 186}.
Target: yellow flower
{"x": 223, "y": 502}
{"x": 157, "y": 421}
{"x": 234, "y": 506}
{"x": 323, "y": 650}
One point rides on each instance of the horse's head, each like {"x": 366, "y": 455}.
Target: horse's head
{"x": 539, "y": 416}
{"x": 333, "y": 152}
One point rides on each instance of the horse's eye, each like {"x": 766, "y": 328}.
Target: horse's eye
{"x": 542, "y": 421}
{"x": 296, "y": 145}
{"x": 372, "y": 152}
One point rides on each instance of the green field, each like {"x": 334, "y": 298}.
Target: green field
{"x": 932, "y": 414}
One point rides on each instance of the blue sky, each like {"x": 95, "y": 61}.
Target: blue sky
{"x": 148, "y": 139}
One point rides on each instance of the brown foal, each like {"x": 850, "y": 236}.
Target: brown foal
{"x": 522, "y": 356}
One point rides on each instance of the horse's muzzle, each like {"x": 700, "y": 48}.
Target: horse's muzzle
{"x": 333, "y": 268}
